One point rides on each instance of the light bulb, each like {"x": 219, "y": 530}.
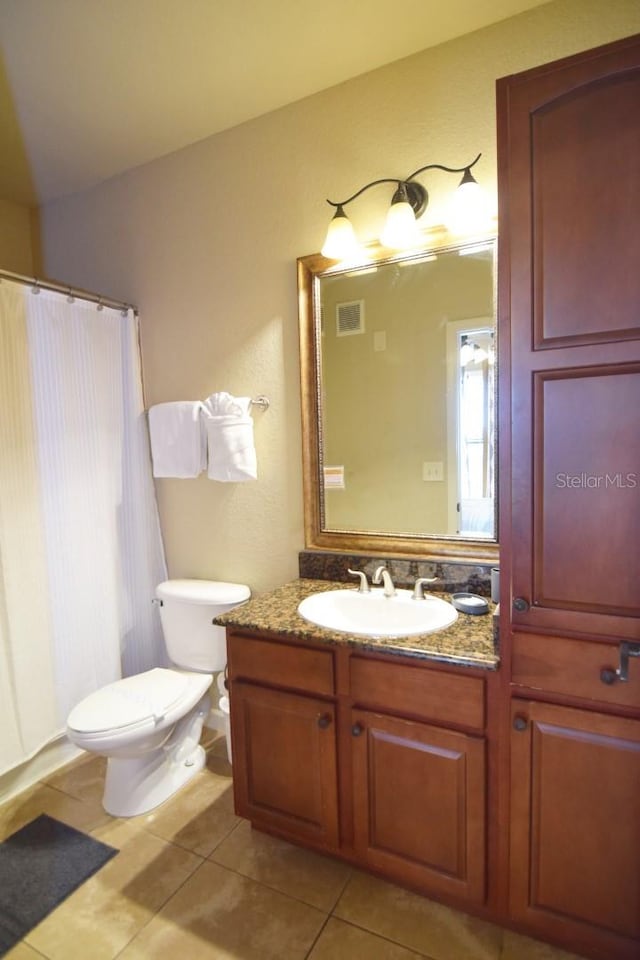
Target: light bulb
{"x": 400, "y": 230}
{"x": 466, "y": 353}
{"x": 469, "y": 208}
{"x": 341, "y": 242}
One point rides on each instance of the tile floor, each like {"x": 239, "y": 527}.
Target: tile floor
{"x": 193, "y": 882}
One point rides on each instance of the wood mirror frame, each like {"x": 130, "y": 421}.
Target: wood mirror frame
{"x": 310, "y": 268}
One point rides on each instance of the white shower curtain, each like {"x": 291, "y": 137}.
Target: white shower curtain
{"x": 80, "y": 544}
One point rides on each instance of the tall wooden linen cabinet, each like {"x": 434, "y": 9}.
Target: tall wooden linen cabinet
{"x": 569, "y": 329}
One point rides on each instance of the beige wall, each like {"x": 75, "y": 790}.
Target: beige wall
{"x": 205, "y": 241}
{"x": 16, "y": 250}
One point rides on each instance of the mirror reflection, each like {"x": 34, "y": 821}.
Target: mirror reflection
{"x": 406, "y": 376}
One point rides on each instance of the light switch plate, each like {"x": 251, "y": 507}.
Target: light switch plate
{"x": 432, "y": 470}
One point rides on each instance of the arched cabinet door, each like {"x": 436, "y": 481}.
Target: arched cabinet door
{"x": 574, "y": 848}
{"x": 569, "y": 143}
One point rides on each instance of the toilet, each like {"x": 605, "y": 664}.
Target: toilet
{"x": 149, "y": 725}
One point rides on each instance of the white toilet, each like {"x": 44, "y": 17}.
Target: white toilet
{"x": 149, "y": 725}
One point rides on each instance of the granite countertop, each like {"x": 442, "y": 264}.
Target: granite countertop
{"x": 469, "y": 641}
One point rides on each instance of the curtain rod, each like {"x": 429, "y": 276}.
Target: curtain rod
{"x": 74, "y": 292}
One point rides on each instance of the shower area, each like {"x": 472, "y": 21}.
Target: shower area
{"x": 80, "y": 544}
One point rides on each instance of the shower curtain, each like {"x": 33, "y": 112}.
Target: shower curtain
{"x": 80, "y": 544}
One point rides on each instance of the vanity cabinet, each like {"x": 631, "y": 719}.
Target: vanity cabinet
{"x": 379, "y": 759}
{"x": 575, "y": 829}
{"x": 419, "y": 788}
{"x": 284, "y": 738}
{"x": 575, "y": 794}
{"x": 569, "y": 335}
{"x": 285, "y": 767}
{"x": 419, "y": 804}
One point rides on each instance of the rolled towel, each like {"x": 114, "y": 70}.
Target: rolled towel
{"x": 178, "y": 442}
{"x": 230, "y": 444}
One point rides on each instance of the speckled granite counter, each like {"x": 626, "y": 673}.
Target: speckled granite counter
{"x": 470, "y": 640}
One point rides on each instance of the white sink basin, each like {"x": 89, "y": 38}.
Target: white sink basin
{"x": 374, "y": 615}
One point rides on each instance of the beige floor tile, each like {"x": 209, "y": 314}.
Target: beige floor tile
{"x": 417, "y": 923}
{"x": 82, "y": 778}
{"x": 41, "y": 798}
{"x": 198, "y": 817}
{"x": 216, "y": 752}
{"x": 299, "y": 873}
{"x": 220, "y": 914}
{"x": 516, "y": 947}
{"x": 341, "y": 941}
{"x": 22, "y": 951}
{"x": 102, "y": 915}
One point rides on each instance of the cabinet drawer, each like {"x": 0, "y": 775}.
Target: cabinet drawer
{"x": 573, "y": 667}
{"x": 419, "y": 691}
{"x": 280, "y": 664}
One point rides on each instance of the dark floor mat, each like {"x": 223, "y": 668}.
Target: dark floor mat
{"x": 40, "y": 865}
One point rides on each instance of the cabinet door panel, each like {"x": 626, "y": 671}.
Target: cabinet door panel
{"x": 284, "y": 762}
{"x": 420, "y": 804}
{"x": 570, "y": 343}
{"x": 579, "y": 226}
{"x": 575, "y": 842}
{"x": 586, "y": 495}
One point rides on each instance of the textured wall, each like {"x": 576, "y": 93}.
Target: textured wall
{"x": 16, "y": 252}
{"x": 205, "y": 241}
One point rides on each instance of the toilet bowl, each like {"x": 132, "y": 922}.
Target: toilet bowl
{"x": 149, "y": 725}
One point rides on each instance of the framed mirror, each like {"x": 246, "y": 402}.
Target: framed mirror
{"x": 398, "y": 380}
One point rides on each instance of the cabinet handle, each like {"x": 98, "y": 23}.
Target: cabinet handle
{"x": 520, "y": 604}
{"x": 356, "y": 729}
{"x": 609, "y": 675}
{"x": 520, "y": 723}
{"x": 324, "y": 721}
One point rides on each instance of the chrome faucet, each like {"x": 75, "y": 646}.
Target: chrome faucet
{"x": 364, "y": 586}
{"x": 417, "y": 588}
{"x": 382, "y": 575}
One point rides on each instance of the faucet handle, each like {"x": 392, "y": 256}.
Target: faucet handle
{"x": 364, "y": 586}
{"x": 418, "y": 593}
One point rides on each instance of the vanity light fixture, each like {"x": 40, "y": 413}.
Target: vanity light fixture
{"x": 408, "y": 202}
{"x": 471, "y": 352}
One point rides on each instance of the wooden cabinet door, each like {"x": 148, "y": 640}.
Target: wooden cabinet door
{"x": 419, "y": 804}
{"x": 569, "y": 143}
{"x": 284, "y": 762}
{"x": 575, "y": 836}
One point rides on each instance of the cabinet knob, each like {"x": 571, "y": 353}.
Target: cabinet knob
{"x": 520, "y": 604}
{"x": 356, "y": 729}
{"x": 520, "y": 723}
{"x": 608, "y": 675}
{"x": 324, "y": 721}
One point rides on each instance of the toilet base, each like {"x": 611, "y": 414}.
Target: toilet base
{"x": 134, "y": 786}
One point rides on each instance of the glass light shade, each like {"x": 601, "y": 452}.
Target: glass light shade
{"x": 469, "y": 209}
{"x": 341, "y": 242}
{"x": 400, "y": 229}
{"x": 466, "y": 354}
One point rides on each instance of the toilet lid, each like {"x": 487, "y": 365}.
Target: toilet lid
{"x": 203, "y": 591}
{"x": 130, "y": 701}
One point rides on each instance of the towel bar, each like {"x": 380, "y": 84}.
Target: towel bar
{"x": 261, "y": 401}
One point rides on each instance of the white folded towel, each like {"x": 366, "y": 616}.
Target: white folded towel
{"x": 178, "y": 444}
{"x": 229, "y": 427}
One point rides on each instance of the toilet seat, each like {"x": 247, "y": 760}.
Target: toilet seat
{"x": 149, "y": 698}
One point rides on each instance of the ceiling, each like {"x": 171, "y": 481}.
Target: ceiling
{"x": 90, "y": 88}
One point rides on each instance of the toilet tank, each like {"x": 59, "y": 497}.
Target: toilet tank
{"x": 187, "y": 608}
